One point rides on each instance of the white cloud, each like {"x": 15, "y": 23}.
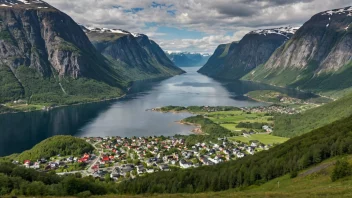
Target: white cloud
{"x": 214, "y": 18}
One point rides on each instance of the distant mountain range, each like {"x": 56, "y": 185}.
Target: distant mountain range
{"x": 46, "y": 57}
{"x": 234, "y": 60}
{"x": 188, "y": 59}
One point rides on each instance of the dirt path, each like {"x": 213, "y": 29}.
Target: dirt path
{"x": 316, "y": 169}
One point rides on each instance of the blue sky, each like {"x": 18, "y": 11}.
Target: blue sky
{"x": 194, "y": 25}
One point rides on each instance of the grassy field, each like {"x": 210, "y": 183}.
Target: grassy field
{"x": 263, "y": 138}
{"x": 230, "y": 119}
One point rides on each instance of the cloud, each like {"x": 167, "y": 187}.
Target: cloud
{"x": 213, "y": 18}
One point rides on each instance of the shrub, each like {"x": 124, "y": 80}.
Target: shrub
{"x": 341, "y": 170}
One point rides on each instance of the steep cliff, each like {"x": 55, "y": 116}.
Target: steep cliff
{"x": 187, "y": 59}
{"x": 316, "y": 58}
{"x": 47, "y": 56}
{"x": 253, "y": 49}
{"x": 137, "y": 55}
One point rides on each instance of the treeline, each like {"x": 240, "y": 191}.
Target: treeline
{"x": 63, "y": 145}
{"x": 18, "y": 181}
{"x": 212, "y": 130}
{"x": 251, "y": 125}
{"x": 294, "y": 155}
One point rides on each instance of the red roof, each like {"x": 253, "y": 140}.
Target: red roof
{"x": 27, "y": 161}
{"x": 106, "y": 158}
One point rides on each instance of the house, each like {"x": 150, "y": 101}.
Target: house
{"x": 185, "y": 164}
{"x": 254, "y": 144}
{"x": 140, "y": 169}
{"x": 240, "y": 155}
{"x": 27, "y": 163}
{"x": 150, "y": 170}
{"x": 36, "y": 165}
{"x": 164, "y": 167}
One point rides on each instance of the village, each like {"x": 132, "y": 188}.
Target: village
{"x": 272, "y": 109}
{"x": 119, "y": 158}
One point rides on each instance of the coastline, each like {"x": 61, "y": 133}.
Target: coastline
{"x": 58, "y": 106}
{"x": 197, "y": 130}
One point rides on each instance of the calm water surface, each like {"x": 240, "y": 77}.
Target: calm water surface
{"x": 127, "y": 116}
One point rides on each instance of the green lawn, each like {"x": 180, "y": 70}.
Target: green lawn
{"x": 263, "y": 138}
{"x": 230, "y": 119}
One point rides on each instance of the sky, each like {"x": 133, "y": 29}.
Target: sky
{"x": 194, "y": 25}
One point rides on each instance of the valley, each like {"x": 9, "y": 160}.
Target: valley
{"x": 175, "y": 99}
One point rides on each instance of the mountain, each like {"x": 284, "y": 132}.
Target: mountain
{"x": 137, "y": 56}
{"x": 46, "y": 57}
{"x": 187, "y": 59}
{"x": 316, "y": 58}
{"x": 232, "y": 61}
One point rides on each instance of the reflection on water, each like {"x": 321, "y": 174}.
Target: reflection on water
{"x": 126, "y": 117}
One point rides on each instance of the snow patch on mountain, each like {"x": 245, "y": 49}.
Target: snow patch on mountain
{"x": 284, "y": 31}
{"x": 180, "y": 53}
{"x": 107, "y": 30}
{"x": 10, "y": 3}
{"x": 346, "y": 10}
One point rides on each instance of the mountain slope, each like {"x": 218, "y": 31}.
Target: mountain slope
{"x": 48, "y": 58}
{"x": 215, "y": 64}
{"x": 254, "y": 49}
{"x": 317, "y": 57}
{"x": 186, "y": 59}
{"x": 137, "y": 56}
{"x": 298, "y": 124}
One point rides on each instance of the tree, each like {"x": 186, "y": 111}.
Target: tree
{"x": 341, "y": 170}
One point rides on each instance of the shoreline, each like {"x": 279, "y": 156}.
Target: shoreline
{"x": 66, "y": 105}
{"x": 197, "y": 130}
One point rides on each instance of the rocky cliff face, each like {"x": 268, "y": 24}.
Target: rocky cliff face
{"x": 253, "y": 49}
{"x": 46, "y": 44}
{"x": 319, "y": 51}
{"x": 187, "y": 59}
{"x": 139, "y": 55}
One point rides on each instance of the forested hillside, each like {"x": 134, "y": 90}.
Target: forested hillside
{"x": 298, "y": 124}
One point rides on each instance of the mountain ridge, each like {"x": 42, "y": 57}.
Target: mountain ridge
{"x": 255, "y": 48}
{"x": 139, "y": 56}
{"x": 188, "y": 59}
{"x": 317, "y": 58}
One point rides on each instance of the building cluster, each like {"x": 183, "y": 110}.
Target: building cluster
{"x": 271, "y": 109}
{"x": 65, "y": 163}
{"x": 129, "y": 157}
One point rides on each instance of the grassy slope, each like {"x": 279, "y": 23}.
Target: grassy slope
{"x": 10, "y": 88}
{"x": 311, "y": 182}
{"x": 63, "y": 145}
{"x": 293, "y": 125}
{"x": 263, "y": 138}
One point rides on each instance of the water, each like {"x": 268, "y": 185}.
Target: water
{"x": 127, "y": 116}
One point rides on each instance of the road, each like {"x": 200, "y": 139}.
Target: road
{"x": 88, "y": 170}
